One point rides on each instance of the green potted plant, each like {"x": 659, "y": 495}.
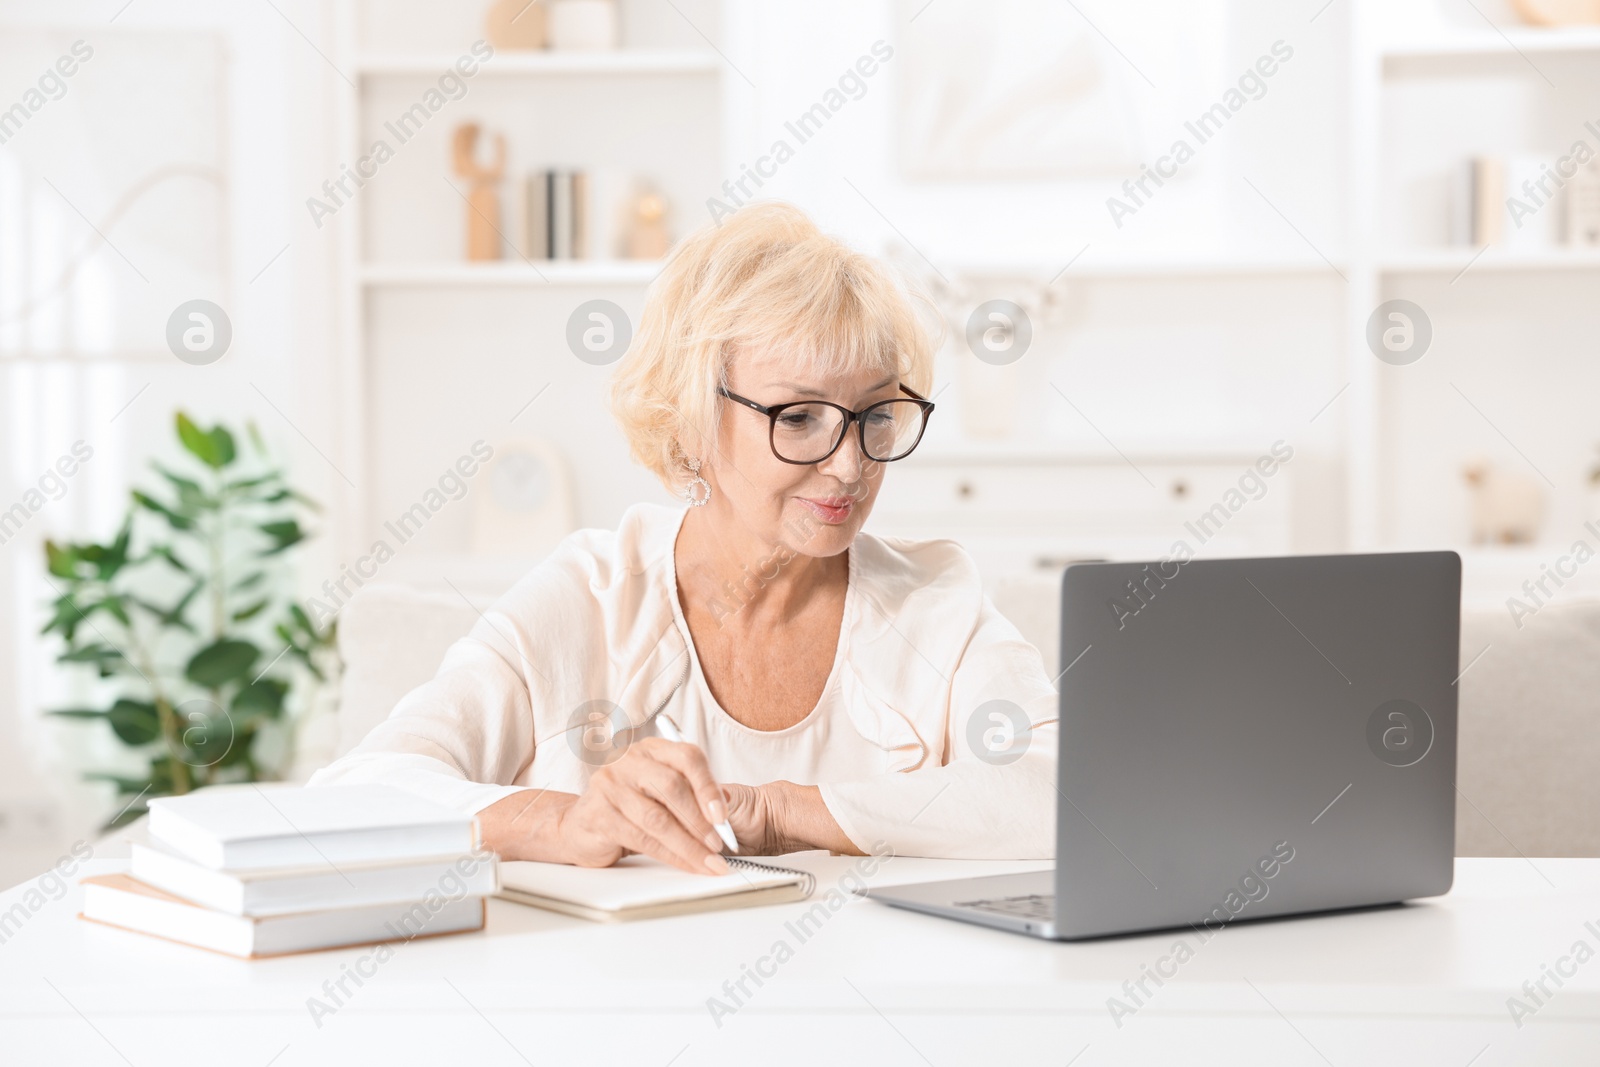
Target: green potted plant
{"x": 187, "y": 615}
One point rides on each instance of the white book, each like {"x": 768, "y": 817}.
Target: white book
{"x": 122, "y": 901}
{"x": 283, "y": 890}
{"x": 607, "y": 201}
{"x": 637, "y": 887}
{"x": 246, "y": 827}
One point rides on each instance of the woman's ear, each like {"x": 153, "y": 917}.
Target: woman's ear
{"x": 688, "y": 446}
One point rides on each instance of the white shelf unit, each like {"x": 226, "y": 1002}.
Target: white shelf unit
{"x": 401, "y": 244}
{"x": 1447, "y": 59}
{"x": 1366, "y": 269}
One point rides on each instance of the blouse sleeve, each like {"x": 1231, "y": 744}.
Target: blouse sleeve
{"x": 460, "y": 740}
{"x": 993, "y": 795}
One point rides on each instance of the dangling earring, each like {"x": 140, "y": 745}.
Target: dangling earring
{"x": 698, "y": 491}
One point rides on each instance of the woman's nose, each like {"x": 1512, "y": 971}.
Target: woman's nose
{"x": 846, "y": 463}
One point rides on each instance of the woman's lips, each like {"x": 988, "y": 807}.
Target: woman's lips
{"x": 832, "y": 510}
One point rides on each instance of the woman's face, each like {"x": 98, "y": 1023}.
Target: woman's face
{"x": 816, "y": 510}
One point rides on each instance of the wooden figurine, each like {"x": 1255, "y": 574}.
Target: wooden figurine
{"x": 483, "y": 201}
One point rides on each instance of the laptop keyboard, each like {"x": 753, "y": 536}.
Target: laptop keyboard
{"x": 1040, "y": 906}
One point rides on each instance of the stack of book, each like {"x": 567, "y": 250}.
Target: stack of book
{"x": 576, "y": 214}
{"x": 267, "y": 870}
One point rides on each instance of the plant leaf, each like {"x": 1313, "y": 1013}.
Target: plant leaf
{"x": 150, "y": 503}
{"x": 191, "y": 498}
{"x": 197, "y": 442}
{"x": 166, "y": 552}
{"x": 61, "y": 560}
{"x": 249, "y": 582}
{"x": 118, "y": 609}
{"x": 284, "y": 535}
{"x": 134, "y": 722}
{"x": 244, "y": 614}
{"x": 262, "y": 697}
{"x": 78, "y": 713}
{"x": 66, "y": 618}
{"x": 240, "y": 484}
{"x": 97, "y": 653}
{"x": 221, "y": 662}
{"x": 222, "y": 441}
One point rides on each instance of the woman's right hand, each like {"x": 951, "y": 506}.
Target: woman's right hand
{"x": 658, "y": 799}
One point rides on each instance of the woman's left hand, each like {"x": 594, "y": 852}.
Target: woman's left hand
{"x": 754, "y": 821}
{"x": 780, "y": 817}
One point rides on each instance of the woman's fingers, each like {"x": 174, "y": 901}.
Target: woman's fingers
{"x": 667, "y": 786}
{"x": 690, "y": 762}
{"x": 649, "y": 820}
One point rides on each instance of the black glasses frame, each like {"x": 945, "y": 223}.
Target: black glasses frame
{"x": 857, "y": 417}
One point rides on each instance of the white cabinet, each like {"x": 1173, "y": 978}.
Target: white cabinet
{"x": 1028, "y": 511}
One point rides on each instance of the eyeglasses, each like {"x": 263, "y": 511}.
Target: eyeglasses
{"x": 809, "y": 431}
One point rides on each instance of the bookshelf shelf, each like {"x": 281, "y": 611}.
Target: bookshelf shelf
{"x": 536, "y": 274}
{"x": 1452, "y": 260}
{"x": 1494, "y": 43}
{"x": 507, "y": 63}
{"x": 1197, "y": 264}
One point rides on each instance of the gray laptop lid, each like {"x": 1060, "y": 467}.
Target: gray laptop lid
{"x": 1245, "y": 738}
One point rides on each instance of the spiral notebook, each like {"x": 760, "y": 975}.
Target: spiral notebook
{"x": 641, "y": 888}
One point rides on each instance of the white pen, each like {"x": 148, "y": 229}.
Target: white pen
{"x": 670, "y": 732}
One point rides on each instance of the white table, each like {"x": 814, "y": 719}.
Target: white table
{"x": 1423, "y": 984}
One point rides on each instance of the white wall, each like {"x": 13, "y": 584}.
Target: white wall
{"x": 276, "y": 139}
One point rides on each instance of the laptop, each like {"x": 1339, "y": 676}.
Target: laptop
{"x": 1241, "y": 738}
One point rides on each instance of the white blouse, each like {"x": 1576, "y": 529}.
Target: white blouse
{"x": 935, "y": 733}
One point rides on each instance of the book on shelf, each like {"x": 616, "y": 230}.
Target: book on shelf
{"x": 1526, "y": 204}
{"x": 572, "y": 214}
{"x": 536, "y": 215}
{"x": 122, "y": 901}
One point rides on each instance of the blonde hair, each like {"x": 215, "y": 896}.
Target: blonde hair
{"x": 766, "y": 278}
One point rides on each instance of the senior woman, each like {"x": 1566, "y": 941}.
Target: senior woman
{"x": 832, "y": 689}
